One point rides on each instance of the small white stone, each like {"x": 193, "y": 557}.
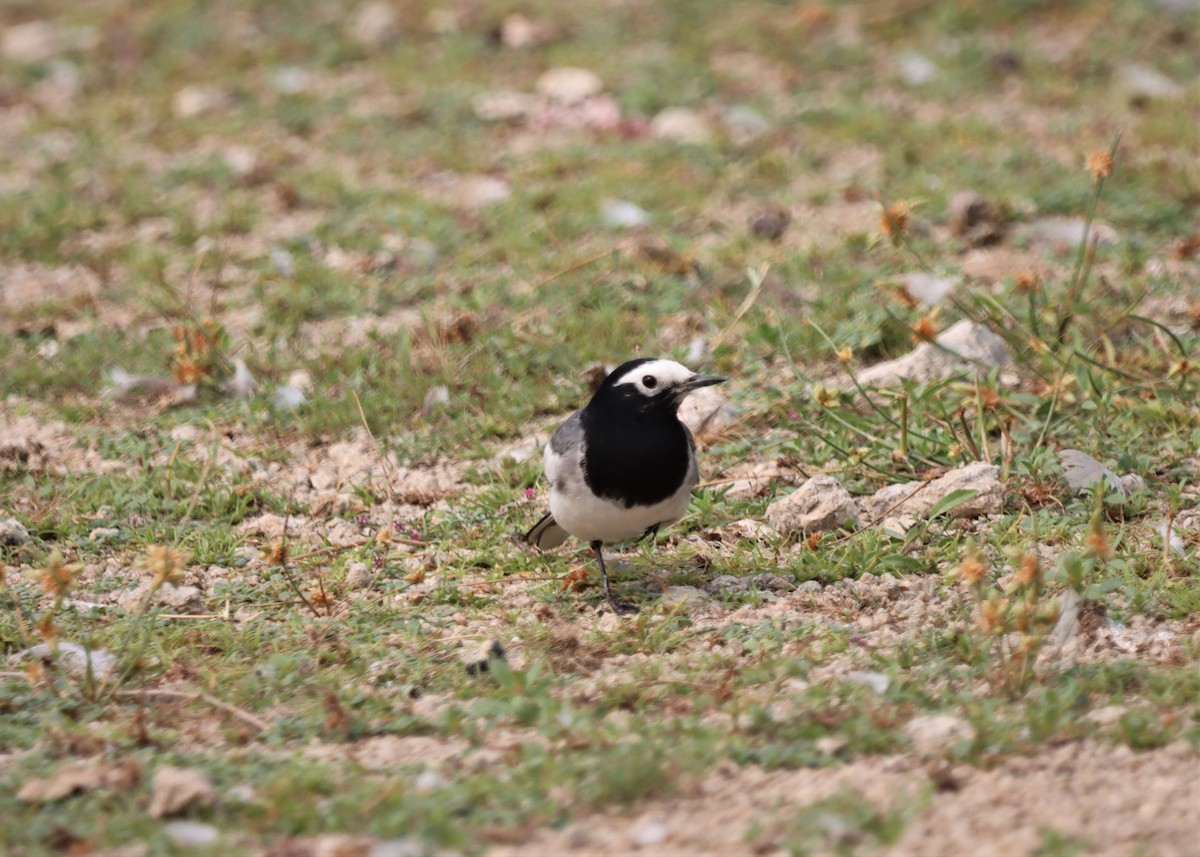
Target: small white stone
{"x": 358, "y": 576}
{"x": 375, "y": 24}
{"x": 191, "y": 834}
{"x": 927, "y": 289}
{"x": 744, "y": 123}
{"x": 504, "y": 105}
{"x": 241, "y": 160}
{"x": 197, "y": 99}
{"x": 685, "y": 595}
{"x": 877, "y": 682}
{"x": 964, "y": 347}
{"x": 13, "y": 532}
{"x": 917, "y": 69}
{"x": 936, "y": 734}
{"x": 819, "y": 505}
{"x": 622, "y": 214}
{"x": 648, "y": 832}
{"x": 1142, "y": 81}
{"x": 292, "y": 80}
{"x": 680, "y": 125}
{"x": 569, "y": 85}
{"x": 707, "y": 411}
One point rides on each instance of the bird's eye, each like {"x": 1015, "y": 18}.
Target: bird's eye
{"x": 649, "y": 382}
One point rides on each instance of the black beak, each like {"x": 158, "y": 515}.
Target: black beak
{"x": 697, "y": 381}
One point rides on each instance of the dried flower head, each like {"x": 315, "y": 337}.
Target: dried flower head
{"x": 277, "y": 553}
{"x": 57, "y": 576}
{"x": 992, "y": 614}
{"x": 1097, "y": 538}
{"x": 1030, "y": 569}
{"x": 319, "y": 596}
{"x": 845, "y": 355}
{"x": 46, "y": 627}
{"x": 893, "y": 222}
{"x": 1100, "y": 164}
{"x": 1028, "y": 281}
{"x": 925, "y": 328}
{"x": 166, "y": 565}
{"x": 416, "y": 577}
{"x": 824, "y": 396}
{"x": 384, "y": 536}
{"x": 973, "y": 568}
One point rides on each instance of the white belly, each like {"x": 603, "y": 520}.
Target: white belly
{"x": 590, "y": 518}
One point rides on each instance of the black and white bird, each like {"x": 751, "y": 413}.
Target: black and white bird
{"x": 625, "y": 464}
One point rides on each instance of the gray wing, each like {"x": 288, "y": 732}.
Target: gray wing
{"x": 565, "y": 449}
{"x": 563, "y": 455}
{"x": 546, "y": 534}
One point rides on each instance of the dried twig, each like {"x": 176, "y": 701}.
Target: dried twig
{"x": 194, "y": 696}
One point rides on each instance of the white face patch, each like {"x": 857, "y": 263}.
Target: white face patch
{"x": 652, "y": 378}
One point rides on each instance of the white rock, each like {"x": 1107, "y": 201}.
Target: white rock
{"x": 685, "y": 595}
{"x": 191, "y": 834}
{"x": 820, "y": 504}
{"x": 1132, "y": 483}
{"x": 198, "y": 99}
{"x": 1106, "y": 716}
{"x": 936, "y": 734}
{"x": 77, "y": 660}
{"x": 979, "y": 476}
{"x": 1142, "y": 81}
{"x": 1068, "y": 618}
{"x": 517, "y": 31}
{"x": 13, "y": 532}
{"x": 648, "y": 832}
{"x": 963, "y": 347}
{"x": 102, "y": 533}
{"x": 292, "y": 80}
{"x": 680, "y": 125}
{"x": 241, "y": 160}
{"x": 916, "y": 69}
{"x": 39, "y": 41}
{"x": 1063, "y": 233}
{"x": 288, "y": 398}
{"x": 403, "y": 848}
{"x": 438, "y": 396}
{"x": 176, "y": 599}
{"x": 175, "y": 789}
{"x": 744, "y": 123}
{"x": 706, "y": 411}
{"x": 621, "y": 214}
{"x": 358, "y": 576}
{"x": 877, "y": 682}
{"x": 282, "y": 261}
{"x": 375, "y": 24}
{"x": 479, "y": 191}
{"x": 186, "y": 433}
{"x": 927, "y": 289}
{"x": 504, "y": 105}
{"x": 1174, "y": 542}
{"x": 569, "y": 85}
{"x": 428, "y": 780}
{"x": 749, "y": 528}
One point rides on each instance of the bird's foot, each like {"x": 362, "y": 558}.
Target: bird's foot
{"x": 623, "y": 608}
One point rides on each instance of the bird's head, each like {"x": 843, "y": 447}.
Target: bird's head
{"x": 650, "y": 384}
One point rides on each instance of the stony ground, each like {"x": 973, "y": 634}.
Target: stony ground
{"x": 292, "y": 294}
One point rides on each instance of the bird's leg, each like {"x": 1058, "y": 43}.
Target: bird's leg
{"x": 621, "y": 608}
